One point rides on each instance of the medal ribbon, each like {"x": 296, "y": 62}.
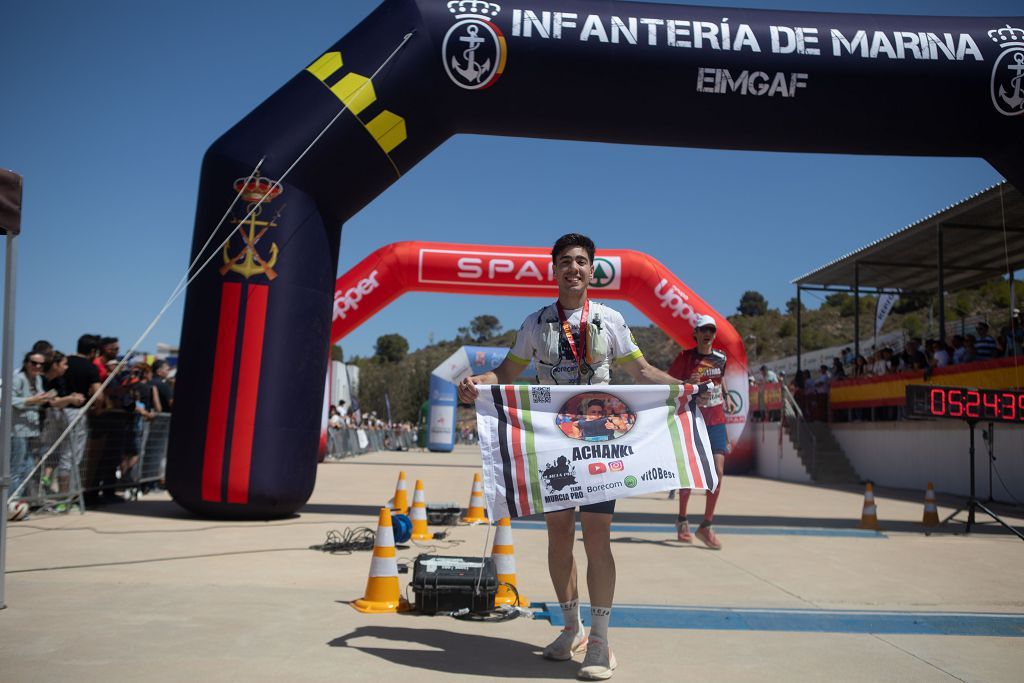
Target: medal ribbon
{"x": 578, "y": 355}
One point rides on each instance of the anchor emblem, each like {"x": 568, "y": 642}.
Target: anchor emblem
{"x": 248, "y": 261}
{"x": 1006, "y": 90}
{"x": 474, "y": 51}
{"x": 1015, "y": 100}
{"x": 473, "y": 72}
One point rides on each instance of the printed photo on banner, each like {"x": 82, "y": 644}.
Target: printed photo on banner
{"x": 595, "y": 416}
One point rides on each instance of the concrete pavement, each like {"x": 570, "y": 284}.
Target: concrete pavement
{"x": 146, "y": 591}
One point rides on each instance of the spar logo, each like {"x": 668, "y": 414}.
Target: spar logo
{"x": 347, "y": 301}
{"x": 1008, "y": 71}
{"x": 519, "y": 270}
{"x": 474, "y": 49}
{"x": 604, "y": 272}
{"x": 737, "y": 403}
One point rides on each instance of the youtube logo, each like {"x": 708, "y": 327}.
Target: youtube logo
{"x": 597, "y": 468}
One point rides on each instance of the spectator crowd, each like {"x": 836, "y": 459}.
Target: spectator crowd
{"x": 351, "y": 431}
{"x": 101, "y": 453}
{"x": 811, "y": 389}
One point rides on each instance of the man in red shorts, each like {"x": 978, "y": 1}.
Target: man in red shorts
{"x": 698, "y": 365}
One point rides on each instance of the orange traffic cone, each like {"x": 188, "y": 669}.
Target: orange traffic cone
{"x": 869, "y": 517}
{"x": 382, "y": 593}
{"x": 418, "y": 515}
{"x": 400, "y": 503}
{"x": 504, "y": 556}
{"x": 931, "y": 511}
{"x": 476, "y": 514}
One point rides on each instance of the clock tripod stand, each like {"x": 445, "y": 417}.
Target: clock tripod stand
{"x": 972, "y": 504}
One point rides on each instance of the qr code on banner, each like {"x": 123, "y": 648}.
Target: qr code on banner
{"x": 540, "y": 394}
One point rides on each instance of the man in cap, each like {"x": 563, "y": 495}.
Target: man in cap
{"x": 695, "y": 366}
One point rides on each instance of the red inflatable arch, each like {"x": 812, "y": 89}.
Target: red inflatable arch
{"x": 624, "y": 274}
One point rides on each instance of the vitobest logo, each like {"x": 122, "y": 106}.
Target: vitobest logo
{"x": 676, "y": 301}
{"x": 349, "y": 299}
{"x": 657, "y": 474}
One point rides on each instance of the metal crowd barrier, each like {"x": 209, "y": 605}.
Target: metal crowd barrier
{"x": 115, "y": 451}
{"x": 346, "y": 442}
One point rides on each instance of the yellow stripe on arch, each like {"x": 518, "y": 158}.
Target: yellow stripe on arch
{"x": 327, "y": 64}
{"x": 503, "y": 51}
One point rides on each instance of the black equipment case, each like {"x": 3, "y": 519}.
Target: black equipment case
{"x": 448, "y": 584}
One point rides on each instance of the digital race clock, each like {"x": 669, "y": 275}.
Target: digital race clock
{"x": 963, "y": 403}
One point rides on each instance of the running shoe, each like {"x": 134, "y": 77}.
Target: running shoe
{"x": 683, "y": 532}
{"x": 568, "y": 643}
{"x": 599, "y": 662}
{"x": 708, "y": 537}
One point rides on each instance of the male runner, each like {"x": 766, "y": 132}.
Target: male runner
{"x": 594, "y": 425}
{"x": 698, "y": 365}
{"x": 575, "y": 341}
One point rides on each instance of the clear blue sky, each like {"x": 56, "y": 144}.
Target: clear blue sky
{"x": 108, "y": 107}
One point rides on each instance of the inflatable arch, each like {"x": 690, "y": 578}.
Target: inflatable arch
{"x": 468, "y": 360}
{"x": 622, "y": 274}
{"x": 416, "y": 72}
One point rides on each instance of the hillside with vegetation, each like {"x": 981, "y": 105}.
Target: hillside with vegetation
{"x": 769, "y": 333}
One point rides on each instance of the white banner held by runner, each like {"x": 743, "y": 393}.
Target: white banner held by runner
{"x": 547, "y": 448}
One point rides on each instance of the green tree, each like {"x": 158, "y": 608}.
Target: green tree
{"x": 913, "y": 325}
{"x": 484, "y": 327}
{"x": 391, "y": 348}
{"x": 912, "y": 301}
{"x": 838, "y": 300}
{"x": 752, "y": 304}
{"x": 791, "y": 306}
{"x": 337, "y": 354}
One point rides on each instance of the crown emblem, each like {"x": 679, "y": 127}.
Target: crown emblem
{"x": 473, "y": 8}
{"x": 248, "y": 261}
{"x": 253, "y": 189}
{"x": 1002, "y": 36}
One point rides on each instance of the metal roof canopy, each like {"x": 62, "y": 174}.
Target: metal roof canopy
{"x": 964, "y": 245}
{"x": 972, "y": 249}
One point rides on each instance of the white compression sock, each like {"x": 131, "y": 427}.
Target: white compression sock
{"x": 599, "y": 617}
{"x": 571, "y": 614}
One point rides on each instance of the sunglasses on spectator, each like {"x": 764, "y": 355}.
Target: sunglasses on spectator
{"x": 36, "y": 363}
{"x": 706, "y": 328}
